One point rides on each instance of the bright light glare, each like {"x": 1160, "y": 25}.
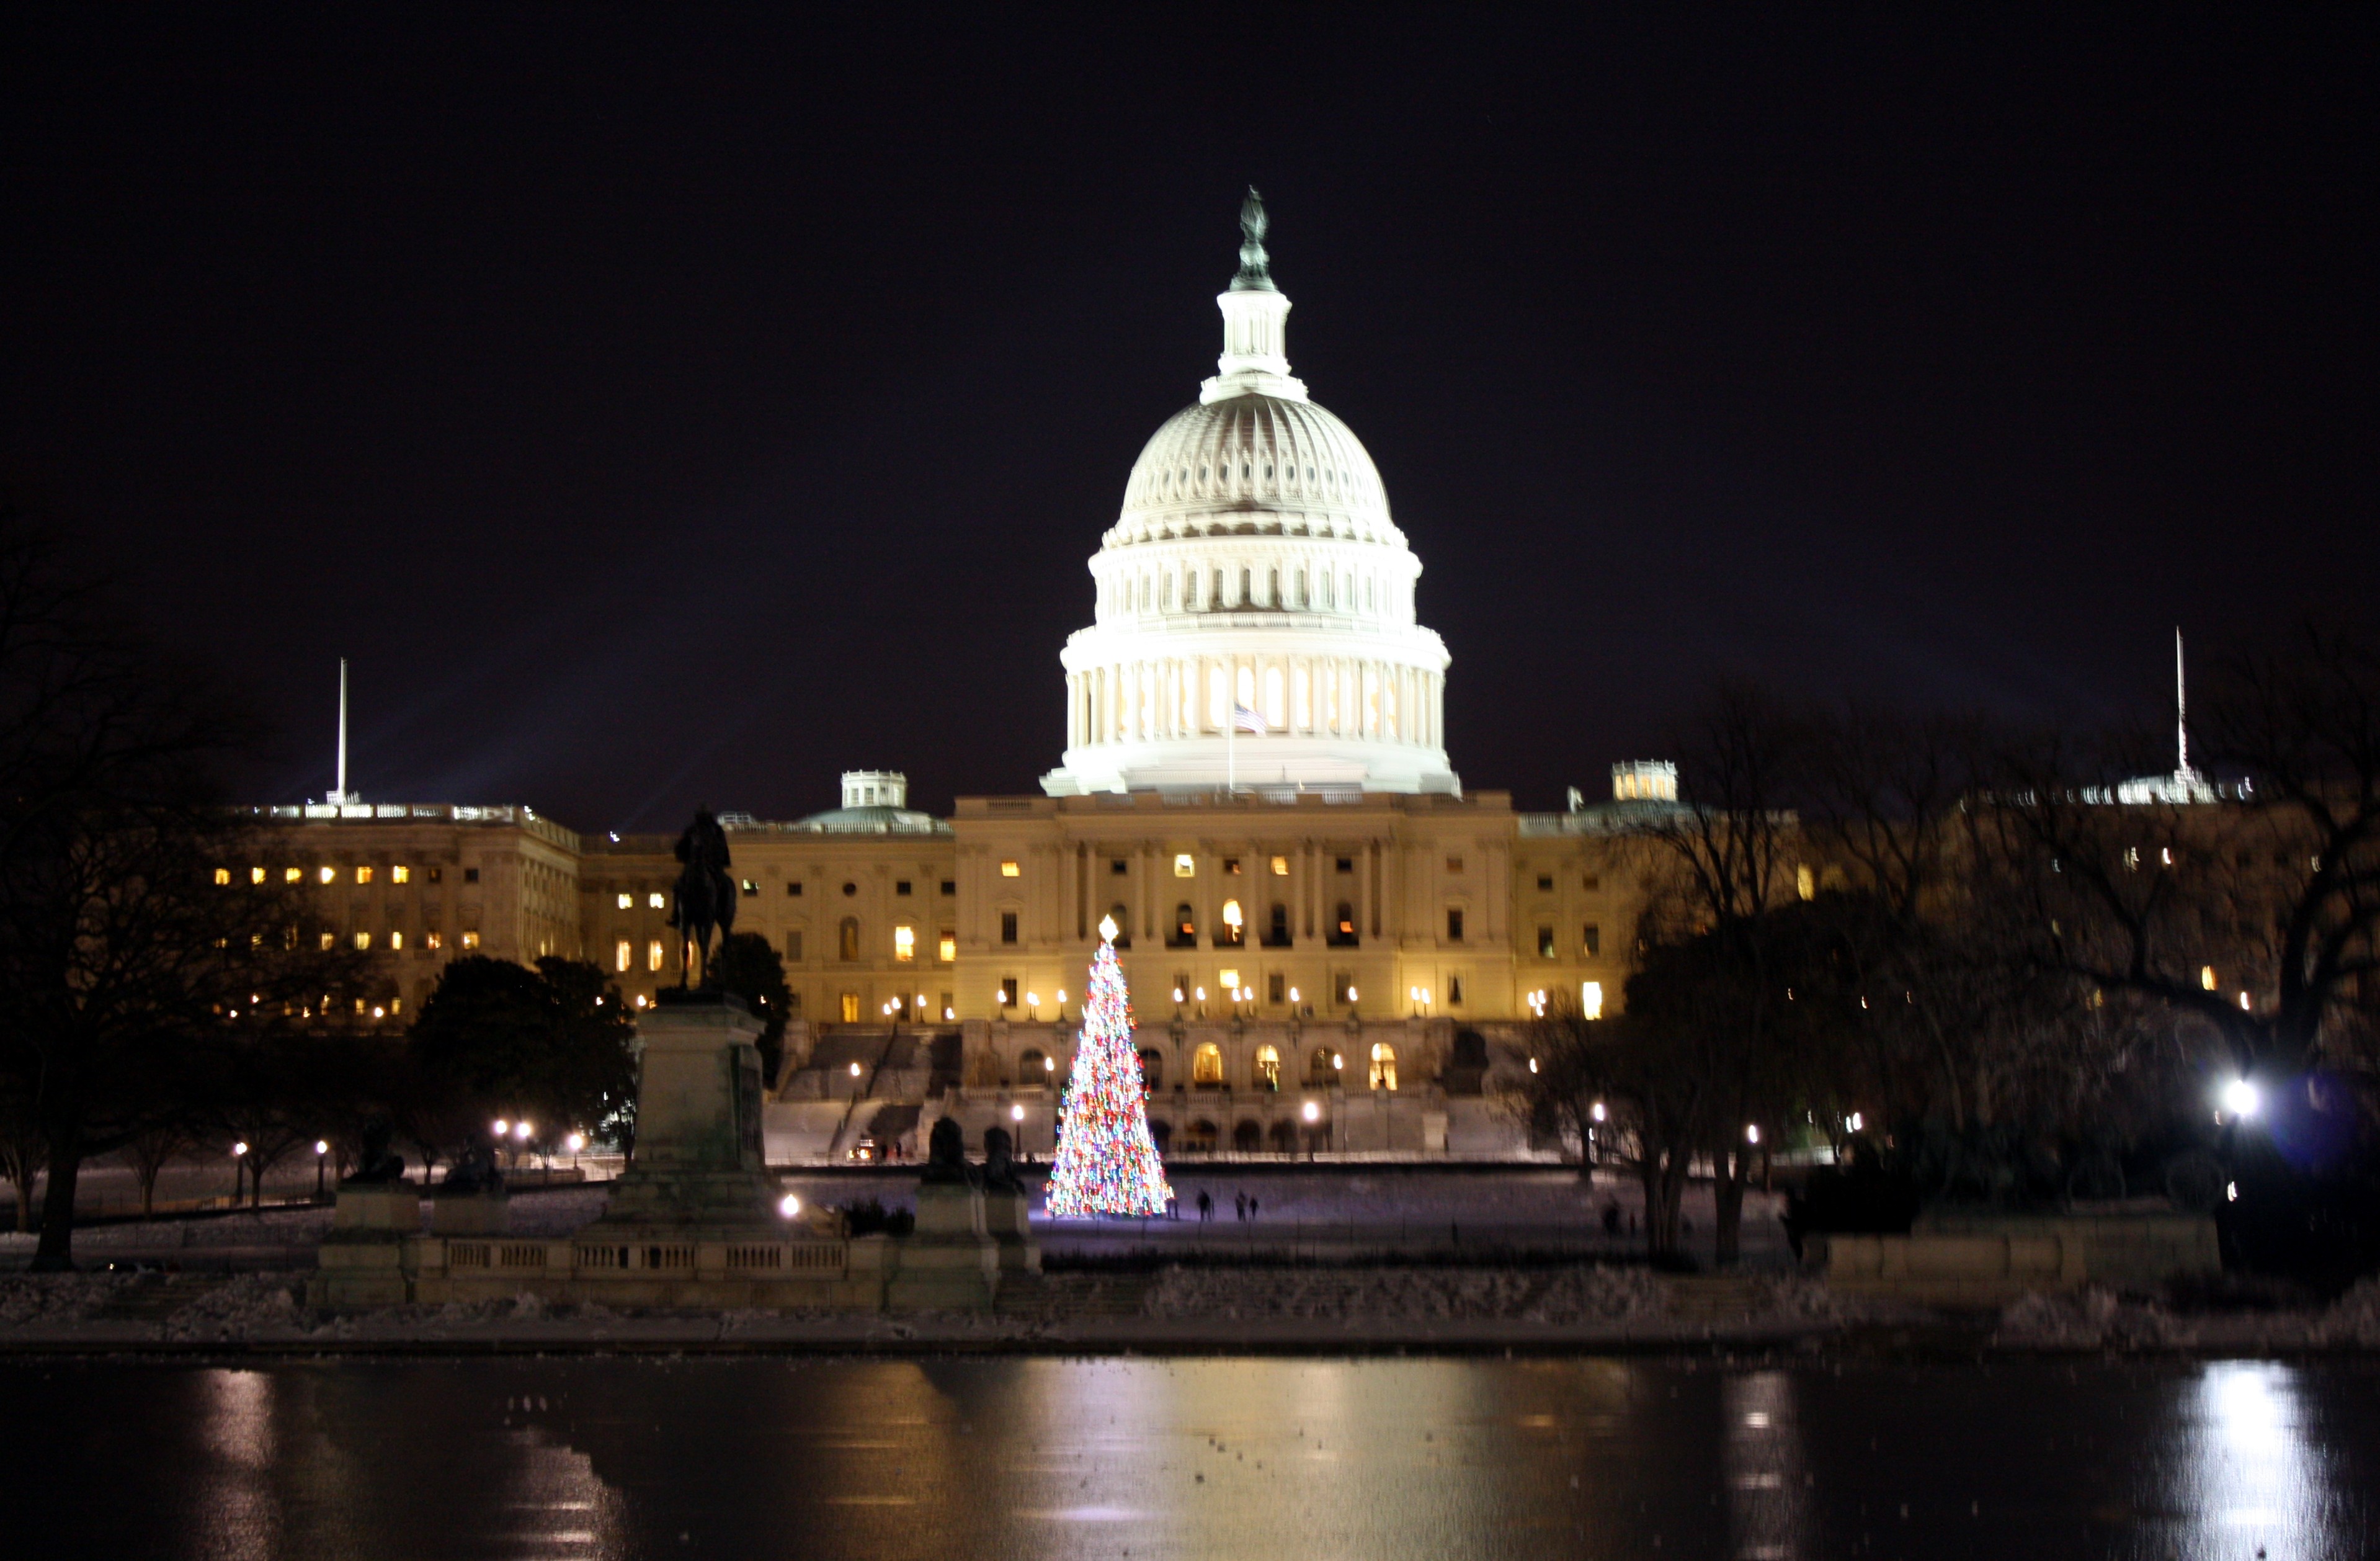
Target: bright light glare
{"x": 577, "y": 1142}
{"x": 788, "y": 1206}
{"x": 1597, "y": 1111}
{"x": 1752, "y": 1132}
{"x": 2239, "y": 1098}
{"x": 1017, "y": 1113}
{"x": 322, "y": 1146}
{"x": 239, "y": 1148}
{"x": 501, "y": 1126}
{"x": 522, "y": 1131}
{"x": 1313, "y": 1112}
{"x": 854, "y": 1070}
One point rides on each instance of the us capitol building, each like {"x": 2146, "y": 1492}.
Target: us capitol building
{"x": 1328, "y": 939}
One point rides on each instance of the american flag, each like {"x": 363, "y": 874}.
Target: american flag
{"x": 1247, "y": 720}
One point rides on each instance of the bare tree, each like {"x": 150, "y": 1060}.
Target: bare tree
{"x": 1733, "y": 847}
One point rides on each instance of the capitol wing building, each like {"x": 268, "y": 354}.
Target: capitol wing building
{"x": 1329, "y": 940}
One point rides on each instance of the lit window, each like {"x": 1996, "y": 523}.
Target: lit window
{"x": 851, "y": 1008}
{"x": 1806, "y": 883}
{"x": 948, "y": 950}
{"x": 292, "y": 874}
{"x": 363, "y": 940}
{"x": 1230, "y": 978}
{"x": 223, "y": 875}
{"x": 750, "y": 888}
{"x": 1265, "y": 1074}
{"x": 329, "y": 875}
{"x": 396, "y": 941}
{"x": 655, "y": 901}
{"x": 627, "y": 901}
{"x": 329, "y": 939}
{"x": 470, "y": 940}
{"x": 1281, "y": 867}
{"x": 904, "y": 944}
{"x": 1008, "y": 991}
{"x": 627, "y": 953}
{"x": 433, "y": 940}
{"x": 363, "y": 875}
{"x": 652, "y": 954}
{"x": 1384, "y": 1067}
{"x": 399, "y": 875}
{"x": 1010, "y": 870}
{"x": 256, "y": 875}
{"x": 1590, "y": 999}
{"x": 1185, "y": 866}
{"x": 1207, "y": 1065}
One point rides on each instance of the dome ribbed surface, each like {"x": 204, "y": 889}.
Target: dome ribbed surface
{"x": 1253, "y": 464}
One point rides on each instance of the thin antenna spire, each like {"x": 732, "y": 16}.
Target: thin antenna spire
{"x": 342, "y": 796}
{"x": 2180, "y": 707}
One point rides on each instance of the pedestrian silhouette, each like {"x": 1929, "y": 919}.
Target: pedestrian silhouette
{"x": 1611, "y": 1218}
{"x": 1252, "y": 1210}
{"x": 1240, "y": 1207}
{"x": 1206, "y": 1206}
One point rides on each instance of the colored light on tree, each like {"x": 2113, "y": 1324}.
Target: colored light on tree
{"x": 1105, "y": 1164}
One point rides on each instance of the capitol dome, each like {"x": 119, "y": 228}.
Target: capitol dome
{"x": 1254, "y": 625}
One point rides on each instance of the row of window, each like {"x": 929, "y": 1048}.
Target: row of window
{"x": 432, "y": 941}
{"x": 626, "y": 900}
{"x": 364, "y": 873}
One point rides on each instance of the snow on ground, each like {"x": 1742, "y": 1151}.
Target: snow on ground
{"x": 1406, "y": 1294}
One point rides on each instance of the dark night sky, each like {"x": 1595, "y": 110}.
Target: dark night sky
{"x": 665, "y": 406}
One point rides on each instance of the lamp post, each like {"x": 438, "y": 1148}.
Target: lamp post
{"x": 1016, "y": 1114}
{"x": 238, "y": 1166}
{"x": 322, "y": 1157}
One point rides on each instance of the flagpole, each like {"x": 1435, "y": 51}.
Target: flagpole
{"x": 1231, "y": 749}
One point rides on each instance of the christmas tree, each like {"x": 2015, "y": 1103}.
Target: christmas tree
{"x": 1107, "y": 1164}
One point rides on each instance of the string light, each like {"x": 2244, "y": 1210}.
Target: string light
{"x": 1106, "y": 1163}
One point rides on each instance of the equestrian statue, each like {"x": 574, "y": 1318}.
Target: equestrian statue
{"x": 706, "y": 894}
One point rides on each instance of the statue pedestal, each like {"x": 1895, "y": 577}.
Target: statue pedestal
{"x": 696, "y": 1165}
{"x": 1004, "y": 1220}
{"x": 950, "y": 1263}
{"x": 363, "y": 1260}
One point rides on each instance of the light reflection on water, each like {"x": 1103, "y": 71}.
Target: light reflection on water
{"x": 622, "y": 1461}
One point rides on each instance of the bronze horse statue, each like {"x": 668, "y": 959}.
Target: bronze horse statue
{"x": 705, "y": 893}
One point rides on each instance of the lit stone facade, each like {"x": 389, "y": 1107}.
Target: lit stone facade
{"x": 1254, "y": 568}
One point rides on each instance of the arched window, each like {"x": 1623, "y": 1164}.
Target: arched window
{"x": 1384, "y": 1066}
{"x": 1266, "y": 1073}
{"x": 848, "y": 941}
{"x": 1185, "y": 928}
{"x": 1198, "y": 1138}
{"x": 1032, "y": 1067}
{"x": 1247, "y": 1138}
{"x": 1152, "y": 1071}
{"x": 1206, "y": 1065}
{"x": 1283, "y": 1138}
{"x": 1318, "y": 1067}
{"x": 1160, "y": 1132}
{"x": 1277, "y": 936}
{"x": 1233, "y": 930}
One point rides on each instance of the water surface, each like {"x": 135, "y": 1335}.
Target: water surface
{"x": 1029, "y": 1459}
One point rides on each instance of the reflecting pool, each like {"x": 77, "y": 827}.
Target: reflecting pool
{"x": 1014, "y": 1458}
